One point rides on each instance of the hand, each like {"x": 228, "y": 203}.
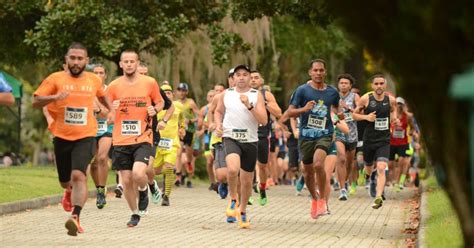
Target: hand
{"x": 219, "y": 131}
{"x": 116, "y": 104}
{"x": 397, "y": 122}
{"x": 96, "y": 107}
{"x": 61, "y": 95}
{"x": 211, "y": 127}
{"x": 111, "y": 117}
{"x": 161, "y": 125}
{"x": 309, "y": 105}
{"x": 343, "y": 104}
{"x": 341, "y": 116}
{"x": 245, "y": 100}
{"x": 199, "y": 133}
{"x": 371, "y": 117}
{"x": 151, "y": 110}
{"x": 181, "y": 133}
{"x": 287, "y": 134}
{"x": 296, "y": 133}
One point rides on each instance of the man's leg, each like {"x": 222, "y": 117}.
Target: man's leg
{"x": 381, "y": 166}
{"x": 341, "y": 170}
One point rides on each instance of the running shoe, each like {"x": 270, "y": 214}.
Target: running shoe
{"x": 299, "y": 186}
{"x": 215, "y": 187}
{"x": 223, "y": 190}
{"x": 373, "y": 184}
{"x": 73, "y": 226}
{"x": 263, "y": 198}
{"x": 244, "y": 223}
{"x": 250, "y": 202}
{"x": 353, "y": 189}
{"x": 101, "y": 201}
{"x": 165, "y": 201}
{"x": 156, "y": 193}
{"x": 211, "y": 187}
{"x": 255, "y": 188}
{"x": 231, "y": 209}
{"x": 343, "y": 196}
{"x": 314, "y": 208}
{"x": 336, "y": 186}
{"x": 143, "y": 202}
{"x": 378, "y": 202}
{"x": 177, "y": 183}
{"x": 361, "y": 178}
{"x": 118, "y": 191}
{"x": 189, "y": 184}
{"x": 134, "y": 220}
{"x": 322, "y": 208}
{"x": 66, "y": 201}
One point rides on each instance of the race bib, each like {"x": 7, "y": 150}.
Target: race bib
{"x": 348, "y": 117}
{"x": 399, "y": 133}
{"x": 240, "y": 134}
{"x": 101, "y": 126}
{"x": 75, "y": 116}
{"x": 316, "y": 122}
{"x": 165, "y": 144}
{"x": 131, "y": 128}
{"x": 381, "y": 124}
{"x": 360, "y": 143}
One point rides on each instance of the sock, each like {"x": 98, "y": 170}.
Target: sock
{"x": 373, "y": 175}
{"x": 152, "y": 187}
{"x": 142, "y": 189}
{"x": 242, "y": 213}
{"x": 117, "y": 178}
{"x": 263, "y": 186}
{"x": 302, "y": 179}
{"x": 354, "y": 184}
{"x": 76, "y": 210}
{"x": 263, "y": 193}
{"x": 168, "y": 173}
{"x": 402, "y": 179}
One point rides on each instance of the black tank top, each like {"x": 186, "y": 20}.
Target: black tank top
{"x": 264, "y": 131}
{"x": 378, "y": 131}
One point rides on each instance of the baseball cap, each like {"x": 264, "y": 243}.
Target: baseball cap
{"x": 231, "y": 72}
{"x": 400, "y": 100}
{"x": 166, "y": 88}
{"x": 183, "y": 86}
{"x": 243, "y": 67}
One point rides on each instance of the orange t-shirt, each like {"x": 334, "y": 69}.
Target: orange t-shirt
{"x": 74, "y": 116}
{"x": 132, "y": 123}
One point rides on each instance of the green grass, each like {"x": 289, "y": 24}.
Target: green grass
{"x": 27, "y": 182}
{"x": 443, "y": 229}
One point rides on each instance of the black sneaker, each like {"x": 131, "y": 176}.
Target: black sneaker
{"x": 101, "y": 201}
{"x": 134, "y": 220}
{"x": 177, "y": 183}
{"x": 189, "y": 184}
{"x": 118, "y": 191}
{"x": 255, "y": 188}
{"x": 143, "y": 202}
{"x": 165, "y": 201}
{"x": 211, "y": 187}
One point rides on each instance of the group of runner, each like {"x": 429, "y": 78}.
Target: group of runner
{"x": 248, "y": 143}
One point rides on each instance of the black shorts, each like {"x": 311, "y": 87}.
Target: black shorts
{"x": 293, "y": 156}
{"x": 349, "y": 146}
{"x": 360, "y": 146}
{"x": 376, "y": 152}
{"x": 309, "y": 147}
{"x": 219, "y": 156}
{"x": 263, "y": 150}
{"x": 281, "y": 154}
{"x": 125, "y": 156}
{"x": 273, "y": 143}
{"x": 73, "y": 155}
{"x": 246, "y": 151}
{"x": 401, "y": 151}
{"x": 188, "y": 139}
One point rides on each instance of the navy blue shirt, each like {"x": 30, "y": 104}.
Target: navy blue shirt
{"x": 315, "y": 123}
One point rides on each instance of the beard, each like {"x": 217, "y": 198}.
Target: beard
{"x": 379, "y": 92}
{"x": 76, "y": 70}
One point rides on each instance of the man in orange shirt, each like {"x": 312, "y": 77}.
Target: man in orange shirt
{"x": 132, "y": 95}
{"x": 73, "y": 93}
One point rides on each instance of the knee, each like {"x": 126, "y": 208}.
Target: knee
{"x": 234, "y": 171}
{"x": 126, "y": 180}
{"x": 342, "y": 159}
{"x": 77, "y": 175}
{"x": 319, "y": 165}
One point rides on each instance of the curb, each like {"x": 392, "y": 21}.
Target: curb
{"x": 35, "y": 203}
{"x": 424, "y": 213}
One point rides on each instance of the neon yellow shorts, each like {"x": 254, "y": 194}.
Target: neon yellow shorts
{"x": 165, "y": 156}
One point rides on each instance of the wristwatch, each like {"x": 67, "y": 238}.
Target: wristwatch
{"x": 166, "y": 122}
{"x": 251, "y": 107}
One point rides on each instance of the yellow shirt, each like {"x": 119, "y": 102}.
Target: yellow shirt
{"x": 174, "y": 123}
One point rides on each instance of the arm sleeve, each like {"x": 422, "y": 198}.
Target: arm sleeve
{"x": 296, "y": 98}
{"x": 46, "y": 88}
{"x": 166, "y": 99}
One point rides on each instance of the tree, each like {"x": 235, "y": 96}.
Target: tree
{"x": 423, "y": 45}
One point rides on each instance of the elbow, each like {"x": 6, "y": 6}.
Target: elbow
{"x": 36, "y": 105}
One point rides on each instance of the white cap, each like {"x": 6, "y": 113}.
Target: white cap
{"x": 400, "y": 100}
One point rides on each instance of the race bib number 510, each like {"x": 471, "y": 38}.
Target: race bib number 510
{"x": 131, "y": 128}
{"x": 75, "y": 116}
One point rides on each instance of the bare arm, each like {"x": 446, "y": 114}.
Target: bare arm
{"x": 195, "y": 109}
{"x": 358, "y": 115}
{"x": 200, "y": 120}
{"x": 219, "y": 115}
{"x": 48, "y": 117}
{"x": 210, "y": 113}
{"x": 272, "y": 105}
{"x": 41, "y": 101}
{"x": 6, "y": 99}
{"x": 259, "y": 111}
{"x": 393, "y": 111}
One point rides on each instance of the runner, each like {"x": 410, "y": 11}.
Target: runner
{"x": 99, "y": 167}
{"x": 399, "y": 144}
{"x": 313, "y": 102}
{"x": 346, "y": 143}
{"x": 379, "y": 109}
{"x": 171, "y": 129}
{"x": 73, "y": 93}
{"x": 133, "y": 95}
{"x": 244, "y": 109}
{"x": 203, "y": 126}
{"x": 190, "y": 112}
{"x": 272, "y": 108}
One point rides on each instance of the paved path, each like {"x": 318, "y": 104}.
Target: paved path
{"x": 196, "y": 219}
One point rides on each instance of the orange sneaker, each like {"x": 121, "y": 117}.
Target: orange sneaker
{"x": 322, "y": 208}
{"x": 73, "y": 226}
{"x": 244, "y": 223}
{"x": 314, "y": 208}
{"x": 66, "y": 201}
